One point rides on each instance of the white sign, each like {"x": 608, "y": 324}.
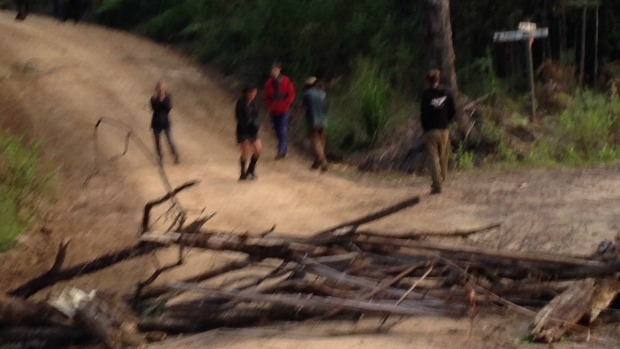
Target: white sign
{"x": 518, "y": 35}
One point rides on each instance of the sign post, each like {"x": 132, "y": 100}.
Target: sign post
{"x": 527, "y": 33}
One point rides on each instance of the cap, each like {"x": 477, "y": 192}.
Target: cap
{"x": 310, "y": 80}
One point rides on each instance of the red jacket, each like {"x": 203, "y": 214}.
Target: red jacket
{"x": 278, "y": 100}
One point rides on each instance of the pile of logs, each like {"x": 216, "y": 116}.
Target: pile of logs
{"x": 341, "y": 273}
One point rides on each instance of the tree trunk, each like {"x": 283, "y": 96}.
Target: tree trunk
{"x": 437, "y": 32}
{"x": 563, "y": 31}
{"x": 596, "y": 40}
{"x": 585, "y": 298}
{"x": 16, "y": 312}
{"x": 582, "y": 58}
{"x": 438, "y": 41}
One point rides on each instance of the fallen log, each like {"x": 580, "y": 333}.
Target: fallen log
{"x": 20, "y": 312}
{"x": 101, "y": 315}
{"x": 158, "y": 290}
{"x": 326, "y": 235}
{"x": 203, "y": 320}
{"x": 415, "y": 235}
{"x": 368, "y": 285}
{"x": 328, "y": 303}
{"x": 555, "y": 266}
{"x": 585, "y": 298}
{"x": 104, "y": 321}
{"x": 257, "y": 247}
{"x": 45, "y": 336}
{"x": 54, "y": 275}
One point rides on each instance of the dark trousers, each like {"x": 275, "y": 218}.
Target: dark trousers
{"x": 23, "y": 8}
{"x": 280, "y": 126}
{"x": 73, "y": 11}
{"x": 173, "y": 149}
{"x": 57, "y": 9}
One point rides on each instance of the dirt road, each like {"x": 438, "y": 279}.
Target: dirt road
{"x": 57, "y": 79}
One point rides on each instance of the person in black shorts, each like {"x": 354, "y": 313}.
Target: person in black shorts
{"x": 246, "y": 113}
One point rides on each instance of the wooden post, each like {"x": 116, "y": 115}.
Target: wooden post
{"x": 530, "y": 68}
{"x": 527, "y": 33}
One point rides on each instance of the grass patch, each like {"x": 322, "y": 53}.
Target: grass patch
{"x": 365, "y": 110}
{"x": 586, "y": 132}
{"x": 22, "y": 186}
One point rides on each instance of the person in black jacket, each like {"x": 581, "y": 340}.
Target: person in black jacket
{"x": 246, "y": 113}
{"x": 161, "y": 104}
{"x": 437, "y": 111}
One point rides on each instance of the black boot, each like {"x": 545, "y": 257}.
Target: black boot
{"x": 252, "y": 167}
{"x": 244, "y": 174}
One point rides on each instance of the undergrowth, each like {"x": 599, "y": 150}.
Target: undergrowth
{"x": 23, "y": 186}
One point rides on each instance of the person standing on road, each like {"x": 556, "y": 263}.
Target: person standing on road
{"x": 314, "y": 101}
{"x": 23, "y": 9}
{"x": 279, "y": 94}
{"x": 161, "y": 104}
{"x": 437, "y": 109}
{"x": 246, "y": 113}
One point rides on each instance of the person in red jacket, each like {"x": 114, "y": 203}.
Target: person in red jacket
{"x": 278, "y": 96}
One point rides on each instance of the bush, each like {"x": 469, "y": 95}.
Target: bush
{"x": 586, "y": 132}
{"x": 360, "y": 116}
{"x": 21, "y": 186}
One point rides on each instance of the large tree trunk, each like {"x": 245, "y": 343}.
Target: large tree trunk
{"x": 437, "y": 31}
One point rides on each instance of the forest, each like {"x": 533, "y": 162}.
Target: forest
{"x": 370, "y": 56}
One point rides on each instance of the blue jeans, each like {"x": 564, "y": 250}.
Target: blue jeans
{"x": 280, "y": 126}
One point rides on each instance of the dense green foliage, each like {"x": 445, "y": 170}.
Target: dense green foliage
{"x": 325, "y": 37}
{"x": 371, "y": 52}
{"x": 588, "y": 131}
{"x": 22, "y": 186}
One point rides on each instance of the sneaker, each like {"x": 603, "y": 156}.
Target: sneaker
{"x": 324, "y": 167}
{"x": 315, "y": 165}
{"x": 435, "y": 190}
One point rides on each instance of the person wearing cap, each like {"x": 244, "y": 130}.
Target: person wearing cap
{"x": 278, "y": 96}
{"x": 246, "y": 113}
{"x": 314, "y": 101}
{"x": 437, "y": 109}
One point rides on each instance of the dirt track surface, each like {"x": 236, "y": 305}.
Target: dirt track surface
{"x": 57, "y": 80}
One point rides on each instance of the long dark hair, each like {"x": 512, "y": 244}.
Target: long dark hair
{"x": 247, "y": 89}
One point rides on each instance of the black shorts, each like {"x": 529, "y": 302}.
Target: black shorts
{"x": 247, "y": 133}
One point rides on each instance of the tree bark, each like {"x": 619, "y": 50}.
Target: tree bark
{"x": 16, "y": 312}
{"x": 437, "y": 34}
{"x": 582, "y": 58}
{"x": 55, "y": 274}
{"x": 110, "y": 321}
{"x": 438, "y": 41}
{"x": 47, "y": 337}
